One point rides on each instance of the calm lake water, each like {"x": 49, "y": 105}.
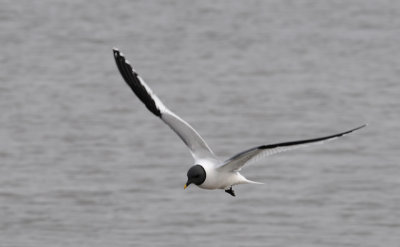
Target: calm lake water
{"x": 83, "y": 163}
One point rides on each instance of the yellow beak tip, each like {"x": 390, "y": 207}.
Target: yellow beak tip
{"x": 185, "y": 186}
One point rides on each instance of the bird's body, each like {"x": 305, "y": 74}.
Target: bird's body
{"x": 217, "y": 179}
{"x": 207, "y": 172}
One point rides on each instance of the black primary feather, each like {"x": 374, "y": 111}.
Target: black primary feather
{"x": 284, "y": 144}
{"x": 131, "y": 78}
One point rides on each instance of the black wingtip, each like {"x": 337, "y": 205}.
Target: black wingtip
{"x": 359, "y": 127}
{"x": 310, "y": 140}
{"x": 134, "y": 82}
{"x": 115, "y": 51}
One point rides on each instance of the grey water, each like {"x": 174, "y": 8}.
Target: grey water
{"x": 83, "y": 163}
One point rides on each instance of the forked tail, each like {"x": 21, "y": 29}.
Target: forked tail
{"x": 252, "y": 182}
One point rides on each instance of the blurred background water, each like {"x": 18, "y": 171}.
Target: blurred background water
{"x": 83, "y": 163}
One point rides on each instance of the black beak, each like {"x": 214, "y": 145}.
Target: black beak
{"x": 187, "y": 184}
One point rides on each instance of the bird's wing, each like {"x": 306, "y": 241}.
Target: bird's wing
{"x": 198, "y": 147}
{"x": 236, "y": 162}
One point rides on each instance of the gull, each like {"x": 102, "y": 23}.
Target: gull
{"x": 207, "y": 172}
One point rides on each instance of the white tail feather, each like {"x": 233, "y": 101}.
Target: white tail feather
{"x": 252, "y": 182}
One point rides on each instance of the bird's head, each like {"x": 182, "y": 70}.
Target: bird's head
{"x": 196, "y": 175}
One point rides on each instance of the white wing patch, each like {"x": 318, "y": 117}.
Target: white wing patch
{"x": 236, "y": 162}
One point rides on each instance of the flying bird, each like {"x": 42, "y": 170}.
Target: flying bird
{"x": 207, "y": 172}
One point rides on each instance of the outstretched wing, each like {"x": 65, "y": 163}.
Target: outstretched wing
{"x": 236, "y": 162}
{"x": 198, "y": 147}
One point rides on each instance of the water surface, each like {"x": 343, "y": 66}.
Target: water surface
{"x": 83, "y": 163}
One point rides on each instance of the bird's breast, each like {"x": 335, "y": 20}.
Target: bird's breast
{"x": 212, "y": 175}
